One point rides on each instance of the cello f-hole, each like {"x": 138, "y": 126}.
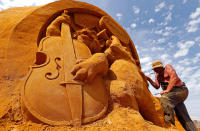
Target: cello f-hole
{"x": 52, "y": 76}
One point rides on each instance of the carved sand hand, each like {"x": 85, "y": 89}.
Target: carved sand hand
{"x": 87, "y": 70}
{"x": 54, "y": 28}
{"x": 116, "y": 50}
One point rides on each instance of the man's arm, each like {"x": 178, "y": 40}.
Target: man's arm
{"x": 154, "y": 84}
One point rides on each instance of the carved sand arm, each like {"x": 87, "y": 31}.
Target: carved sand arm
{"x": 117, "y": 51}
{"x": 54, "y": 28}
{"x": 87, "y": 70}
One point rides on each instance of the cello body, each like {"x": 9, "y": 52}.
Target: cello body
{"x": 45, "y": 96}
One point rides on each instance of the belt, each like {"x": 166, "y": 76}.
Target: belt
{"x": 180, "y": 86}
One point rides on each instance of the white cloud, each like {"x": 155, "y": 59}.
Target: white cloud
{"x": 191, "y": 61}
{"x": 193, "y": 24}
{"x": 183, "y": 48}
{"x": 171, "y": 7}
{"x": 164, "y": 56}
{"x": 146, "y": 63}
{"x": 192, "y": 77}
{"x": 20, "y": 3}
{"x": 157, "y": 49}
{"x": 146, "y": 67}
{"x": 184, "y": 1}
{"x": 136, "y": 10}
{"x": 133, "y": 25}
{"x": 143, "y": 49}
{"x": 197, "y": 39}
{"x": 179, "y": 68}
{"x": 167, "y": 61}
{"x": 157, "y": 41}
{"x": 151, "y": 20}
{"x": 145, "y": 60}
{"x": 196, "y": 58}
{"x": 161, "y": 40}
{"x": 169, "y": 17}
{"x": 159, "y": 7}
{"x": 168, "y": 28}
{"x": 170, "y": 44}
{"x": 166, "y": 34}
{"x": 186, "y": 73}
{"x": 162, "y": 24}
{"x": 141, "y": 37}
{"x": 187, "y": 44}
{"x": 143, "y": 22}
{"x": 185, "y": 61}
{"x": 159, "y": 32}
{"x": 168, "y": 31}
{"x": 119, "y": 16}
{"x": 136, "y": 19}
{"x": 195, "y": 14}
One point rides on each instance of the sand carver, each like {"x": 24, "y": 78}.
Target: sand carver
{"x": 173, "y": 95}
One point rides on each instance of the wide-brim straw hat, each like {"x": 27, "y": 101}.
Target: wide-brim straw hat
{"x": 156, "y": 64}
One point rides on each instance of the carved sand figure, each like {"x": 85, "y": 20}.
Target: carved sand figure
{"x": 75, "y": 101}
{"x": 85, "y": 68}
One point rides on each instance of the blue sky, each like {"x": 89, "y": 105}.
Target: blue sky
{"x": 163, "y": 30}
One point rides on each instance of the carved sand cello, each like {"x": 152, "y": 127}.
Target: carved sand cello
{"x": 50, "y": 93}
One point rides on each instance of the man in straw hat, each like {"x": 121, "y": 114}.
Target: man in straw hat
{"x": 173, "y": 95}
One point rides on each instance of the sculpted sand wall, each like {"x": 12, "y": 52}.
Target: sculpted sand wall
{"x": 31, "y": 28}
{"x": 131, "y": 104}
{"x": 8, "y": 20}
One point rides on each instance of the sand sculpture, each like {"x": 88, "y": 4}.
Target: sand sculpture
{"x": 68, "y": 63}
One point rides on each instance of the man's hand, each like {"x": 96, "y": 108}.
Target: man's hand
{"x": 163, "y": 92}
{"x": 148, "y": 78}
{"x": 86, "y": 70}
